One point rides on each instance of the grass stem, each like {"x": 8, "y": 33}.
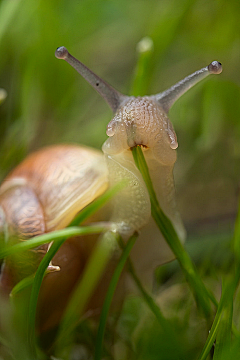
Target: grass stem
{"x": 109, "y": 296}
{"x": 201, "y": 294}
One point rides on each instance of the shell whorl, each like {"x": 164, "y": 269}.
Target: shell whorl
{"x": 64, "y": 179}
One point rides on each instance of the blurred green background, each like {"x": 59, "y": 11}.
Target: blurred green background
{"x": 48, "y": 102}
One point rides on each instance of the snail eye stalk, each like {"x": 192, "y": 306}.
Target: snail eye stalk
{"x": 167, "y": 98}
{"x": 112, "y": 97}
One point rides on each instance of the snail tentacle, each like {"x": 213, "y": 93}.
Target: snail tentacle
{"x": 112, "y": 97}
{"x": 167, "y": 98}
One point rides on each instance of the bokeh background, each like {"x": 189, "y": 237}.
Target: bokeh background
{"x": 48, "y": 102}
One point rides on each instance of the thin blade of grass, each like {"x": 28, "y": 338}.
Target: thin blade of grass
{"x": 82, "y": 216}
{"x": 212, "y": 335}
{"x": 222, "y": 325}
{"x": 97, "y": 204}
{"x": 223, "y": 339}
{"x": 52, "y": 236}
{"x": 199, "y": 290}
{"x": 153, "y": 306}
{"x": 109, "y": 296}
{"x": 155, "y": 309}
{"x": 8, "y": 9}
{"x": 224, "y": 304}
{"x": 39, "y": 278}
{"x": 85, "y": 288}
{"x": 141, "y": 78}
{"x": 21, "y": 285}
{"x": 34, "y": 296}
{"x": 139, "y": 87}
{"x": 236, "y": 237}
{"x": 4, "y": 342}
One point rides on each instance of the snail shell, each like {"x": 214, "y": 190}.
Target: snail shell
{"x": 42, "y": 194}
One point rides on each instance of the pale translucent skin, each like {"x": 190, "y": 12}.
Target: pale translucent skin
{"x": 142, "y": 121}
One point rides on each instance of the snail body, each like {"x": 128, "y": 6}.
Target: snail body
{"x": 47, "y": 190}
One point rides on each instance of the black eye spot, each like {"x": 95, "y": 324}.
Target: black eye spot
{"x": 97, "y": 83}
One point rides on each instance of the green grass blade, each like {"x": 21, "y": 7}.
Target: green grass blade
{"x": 146, "y": 296}
{"x": 222, "y": 325}
{"x": 212, "y": 336}
{"x": 3, "y": 95}
{"x": 81, "y": 217}
{"x": 141, "y": 77}
{"x": 219, "y": 323}
{"x": 62, "y": 235}
{"x": 97, "y": 204}
{"x": 236, "y": 237}
{"x": 22, "y": 285}
{"x": 153, "y": 306}
{"x": 223, "y": 339}
{"x": 155, "y": 309}
{"x": 200, "y": 292}
{"x": 34, "y": 295}
{"x": 39, "y": 278}
{"x": 52, "y": 236}
{"x": 4, "y": 342}
{"x": 8, "y": 9}
{"x": 85, "y": 288}
{"x": 109, "y": 296}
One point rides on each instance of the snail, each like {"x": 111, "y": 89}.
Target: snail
{"x": 47, "y": 190}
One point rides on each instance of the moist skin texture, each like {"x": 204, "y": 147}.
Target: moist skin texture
{"x": 141, "y": 121}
